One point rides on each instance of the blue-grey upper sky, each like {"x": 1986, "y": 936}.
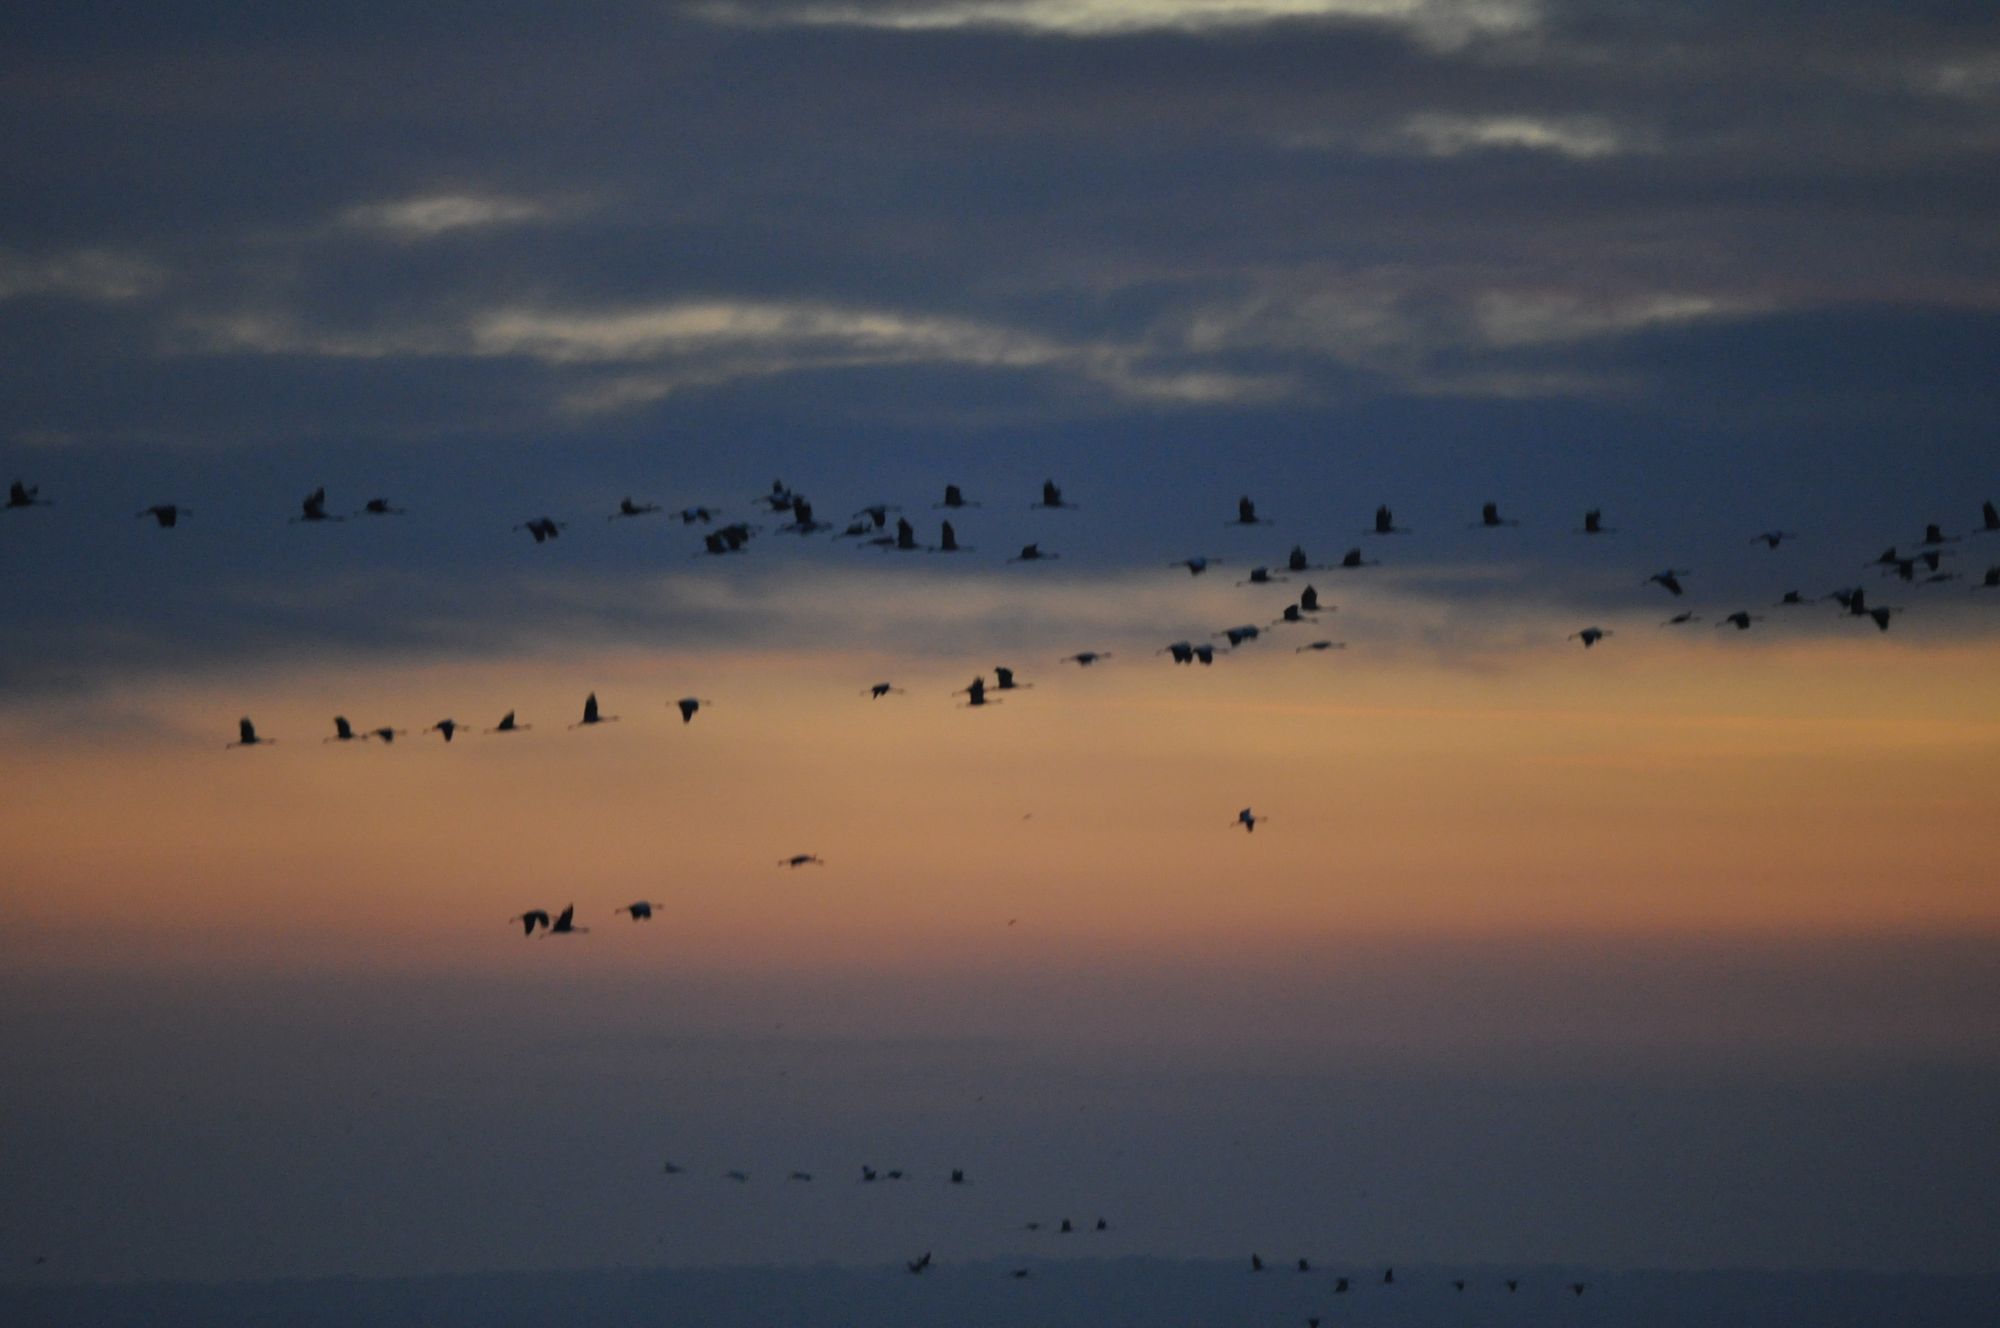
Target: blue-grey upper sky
{"x": 1715, "y": 273}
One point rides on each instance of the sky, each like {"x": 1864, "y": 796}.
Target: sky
{"x": 1677, "y": 950}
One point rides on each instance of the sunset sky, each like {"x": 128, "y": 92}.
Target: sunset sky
{"x": 1682, "y": 950}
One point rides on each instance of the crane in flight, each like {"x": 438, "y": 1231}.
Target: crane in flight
{"x": 1670, "y": 579}
{"x": 1261, "y": 576}
{"x": 246, "y": 735}
{"x": 1198, "y": 564}
{"x": 342, "y": 731}
{"x": 1385, "y": 524}
{"x": 507, "y": 725}
{"x": 1490, "y": 518}
{"x": 948, "y": 541}
{"x": 882, "y": 689}
{"x": 1085, "y": 658}
{"x": 1246, "y": 514}
{"x": 1590, "y": 636}
{"x": 954, "y": 498}
{"x": 447, "y": 728}
{"x": 1248, "y": 820}
{"x": 25, "y": 495}
{"x": 166, "y": 515}
{"x": 312, "y": 508}
{"x": 565, "y": 923}
{"x": 688, "y": 705}
{"x": 591, "y": 715}
{"x": 628, "y": 508}
{"x": 1052, "y": 497}
{"x": 379, "y": 507}
{"x": 1032, "y": 553}
{"x": 802, "y": 860}
{"x": 1771, "y": 539}
{"x": 542, "y": 528}
{"x": 533, "y": 918}
{"x": 640, "y": 909}
{"x": 1593, "y": 524}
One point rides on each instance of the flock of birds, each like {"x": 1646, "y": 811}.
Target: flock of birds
{"x": 1922, "y": 563}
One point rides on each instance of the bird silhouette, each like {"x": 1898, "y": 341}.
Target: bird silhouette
{"x": 958, "y": 1176}
{"x": 1576, "y": 1288}
{"x": 342, "y": 731}
{"x": 166, "y": 515}
{"x": 1670, "y": 579}
{"x": 1934, "y": 534}
{"x": 246, "y": 735}
{"x": 1309, "y": 601}
{"x": 740, "y": 1177}
{"x": 591, "y": 715}
{"x": 1490, "y": 518}
{"x": 1085, "y": 658}
{"x": 25, "y": 495}
{"x": 1992, "y": 580}
{"x": 379, "y": 507}
{"x": 1246, "y": 514}
{"x": 565, "y": 923}
{"x": 1352, "y": 559}
{"x": 1305, "y": 1264}
{"x": 1740, "y": 620}
{"x": 800, "y": 1176}
{"x": 542, "y": 528}
{"x": 1182, "y": 651}
{"x": 882, "y": 689}
{"x": 1197, "y": 564}
{"x": 1989, "y": 519}
{"x": 974, "y": 693}
{"x": 954, "y": 498}
{"x": 1260, "y": 576}
{"x": 1513, "y": 1284}
{"x": 1340, "y": 1286}
{"x": 629, "y": 508}
{"x": 1256, "y": 1263}
{"x": 1385, "y": 524}
{"x": 1388, "y": 1277}
{"x": 948, "y": 540}
{"x": 1683, "y": 617}
{"x": 1771, "y": 539}
{"x": 802, "y": 860}
{"x": 1236, "y": 636}
{"x": 917, "y": 1265}
{"x": 1320, "y": 645}
{"x": 507, "y": 725}
{"x": 673, "y": 1169}
{"x": 689, "y": 515}
{"x": 1248, "y": 820}
{"x": 1593, "y": 524}
{"x": 1003, "y": 680}
{"x": 688, "y": 705}
{"x": 1590, "y": 636}
{"x": 446, "y": 728}
{"x": 539, "y": 917}
{"x": 312, "y": 508}
{"x": 640, "y": 909}
{"x": 1052, "y": 497}
{"x": 1032, "y": 553}
{"x": 1296, "y": 561}
{"x": 1292, "y": 614}
{"x": 387, "y": 735}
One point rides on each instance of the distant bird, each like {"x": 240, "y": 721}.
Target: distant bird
{"x": 640, "y": 909}
{"x": 1065, "y": 1229}
{"x": 1260, "y": 576}
{"x": 1320, "y": 645}
{"x": 1388, "y": 1277}
{"x": 1683, "y": 617}
{"x": 1887, "y": 558}
{"x": 802, "y": 522}
{"x": 507, "y": 725}
{"x": 974, "y": 692}
{"x": 1880, "y": 613}
{"x": 1309, "y": 601}
{"x": 1052, "y": 496}
{"x": 312, "y": 508}
{"x": 906, "y": 535}
{"x": 1490, "y": 518}
{"x": 1305, "y": 1264}
{"x": 342, "y": 730}
{"x": 1102, "y": 1225}
{"x": 1292, "y": 614}
{"x": 878, "y": 513}
{"x": 387, "y": 735}
{"x": 689, "y": 515}
{"x": 1246, "y": 514}
{"x": 167, "y": 515}
{"x": 591, "y": 715}
{"x": 800, "y": 1175}
{"x": 740, "y": 1177}
{"x": 1590, "y": 636}
{"x": 246, "y": 735}
{"x": 882, "y": 689}
{"x": 1934, "y": 534}
{"x": 379, "y": 507}
{"x": 1771, "y": 539}
{"x": 1256, "y": 1263}
{"x": 1791, "y": 599}
{"x": 1741, "y": 620}
{"x": 1513, "y": 1284}
{"x": 25, "y": 495}
{"x": 1339, "y": 1286}
{"x": 957, "y": 1176}
{"x": 954, "y": 498}
{"x": 1296, "y": 561}
{"x": 1085, "y": 658}
{"x": 565, "y": 923}
{"x": 1182, "y": 651}
{"x": 1197, "y": 564}
{"x": 1204, "y": 653}
{"x": 1003, "y": 680}
{"x": 1989, "y": 519}
{"x": 1458, "y": 1284}
{"x": 687, "y": 705}
{"x": 1670, "y": 579}
{"x": 868, "y": 1173}
{"x": 446, "y": 727}
{"x": 1238, "y": 635}
{"x": 1018, "y": 1273}
{"x": 803, "y": 860}
{"x": 1576, "y": 1287}
{"x": 1032, "y": 553}
{"x": 539, "y": 917}
{"x": 628, "y": 508}
{"x": 1353, "y": 559}
{"x": 1248, "y": 820}
{"x": 1593, "y": 523}
{"x": 1385, "y": 524}
{"x": 920, "y": 1263}
{"x": 1992, "y": 581}
{"x": 542, "y": 528}
{"x": 948, "y": 540}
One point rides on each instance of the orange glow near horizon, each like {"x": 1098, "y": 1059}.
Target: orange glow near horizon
{"x": 1808, "y": 790}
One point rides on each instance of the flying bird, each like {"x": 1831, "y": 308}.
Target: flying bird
{"x": 1052, "y": 497}
{"x": 446, "y": 727}
{"x": 1490, "y": 518}
{"x": 539, "y": 917}
{"x": 1590, "y": 636}
{"x": 1085, "y": 658}
{"x": 1032, "y": 553}
{"x": 954, "y": 498}
{"x": 882, "y": 689}
{"x": 688, "y": 705}
{"x": 1003, "y": 680}
{"x": 948, "y": 540}
{"x": 25, "y": 495}
{"x": 641, "y": 910}
{"x": 1989, "y": 519}
{"x": 917, "y": 1265}
{"x": 1593, "y": 523}
{"x": 1309, "y": 601}
{"x": 312, "y": 508}
{"x": 342, "y": 731}
{"x": 1321, "y": 645}
{"x": 387, "y": 735}
{"x": 565, "y": 923}
{"x": 1246, "y": 514}
{"x": 507, "y": 725}
{"x": 1238, "y": 635}
{"x": 1771, "y": 539}
{"x": 590, "y": 714}
{"x": 1682, "y": 618}
{"x": 802, "y": 860}
{"x": 1741, "y": 620}
{"x": 246, "y": 735}
{"x": 1248, "y": 820}
{"x": 1260, "y": 576}
{"x": 1353, "y": 559}
{"x": 167, "y": 515}
{"x": 1197, "y": 565}
{"x": 689, "y": 515}
{"x": 1385, "y": 524}
{"x": 628, "y": 508}
{"x": 379, "y": 507}
{"x": 542, "y": 528}
{"x": 1670, "y": 579}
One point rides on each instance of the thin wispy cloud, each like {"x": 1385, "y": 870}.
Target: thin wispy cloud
{"x": 1580, "y": 137}
{"x": 81, "y": 274}
{"x": 428, "y": 216}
